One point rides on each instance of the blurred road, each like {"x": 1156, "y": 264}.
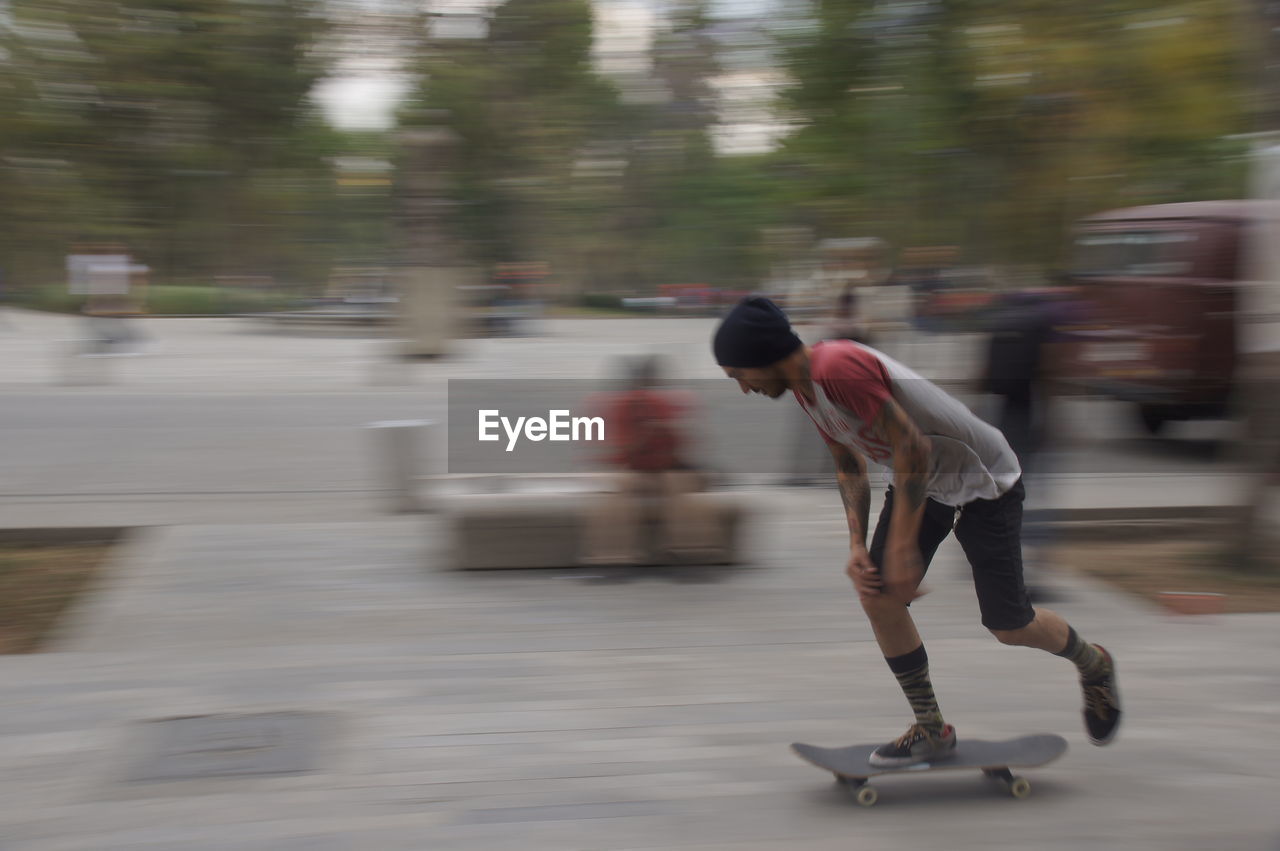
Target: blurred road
{"x": 232, "y": 421}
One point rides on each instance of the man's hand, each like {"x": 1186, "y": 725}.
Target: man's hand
{"x": 903, "y": 571}
{"x": 864, "y": 573}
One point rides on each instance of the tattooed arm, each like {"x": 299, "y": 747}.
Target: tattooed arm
{"x": 903, "y": 567}
{"x": 855, "y": 492}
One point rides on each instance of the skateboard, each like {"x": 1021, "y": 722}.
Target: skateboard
{"x": 995, "y": 759}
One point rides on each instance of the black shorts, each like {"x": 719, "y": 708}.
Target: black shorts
{"x": 990, "y": 531}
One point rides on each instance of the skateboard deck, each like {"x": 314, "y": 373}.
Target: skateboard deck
{"x": 994, "y": 759}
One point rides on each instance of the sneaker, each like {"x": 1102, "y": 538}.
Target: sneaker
{"x": 916, "y": 745}
{"x": 1102, "y": 703}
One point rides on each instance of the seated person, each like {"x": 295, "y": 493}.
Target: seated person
{"x": 647, "y": 448}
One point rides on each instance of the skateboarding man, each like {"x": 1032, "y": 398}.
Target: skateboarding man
{"x": 950, "y": 470}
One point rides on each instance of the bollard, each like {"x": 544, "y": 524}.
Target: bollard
{"x": 398, "y": 446}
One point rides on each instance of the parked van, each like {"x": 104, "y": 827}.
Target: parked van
{"x": 1160, "y": 294}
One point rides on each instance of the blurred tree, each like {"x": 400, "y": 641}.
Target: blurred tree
{"x": 834, "y": 77}
{"x": 988, "y": 125}
{"x": 525, "y": 100}
{"x": 620, "y": 194}
{"x": 1079, "y": 110}
{"x": 996, "y": 124}
{"x": 182, "y": 128}
{"x": 681, "y": 222}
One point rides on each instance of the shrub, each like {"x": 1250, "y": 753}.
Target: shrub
{"x": 602, "y": 301}
{"x": 165, "y": 300}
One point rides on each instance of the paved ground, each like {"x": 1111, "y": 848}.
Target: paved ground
{"x": 573, "y": 710}
{"x": 540, "y": 710}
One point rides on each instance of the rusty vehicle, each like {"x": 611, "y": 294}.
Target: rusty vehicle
{"x": 1159, "y": 288}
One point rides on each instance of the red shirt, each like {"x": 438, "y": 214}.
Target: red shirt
{"x": 856, "y": 381}
{"x": 642, "y": 428}
{"x": 968, "y": 459}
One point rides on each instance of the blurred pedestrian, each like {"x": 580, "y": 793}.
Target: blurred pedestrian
{"x": 944, "y": 460}
{"x": 1019, "y": 373}
{"x": 1014, "y": 372}
{"x": 645, "y": 517}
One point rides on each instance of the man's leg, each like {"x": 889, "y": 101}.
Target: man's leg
{"x": 990, "y": 532}
{"x": 904, "y": 652}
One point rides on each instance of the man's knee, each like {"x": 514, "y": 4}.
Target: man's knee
{"x": 880, "y": 606}
{"x": 1012, "y": 637}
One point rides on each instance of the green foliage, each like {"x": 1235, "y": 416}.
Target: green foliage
{"x": 166, "y": 300}
{"x": 620, "y": 196}
{"x": 525, "y": 102}
{"x": 191, "y": 301}
{"x": 183, "y": 130}
{"x": 994, "y": 125}
{"x": 601, "y": 301}
{"x": 54, "y": 298}
{"x": 545, "y": 45}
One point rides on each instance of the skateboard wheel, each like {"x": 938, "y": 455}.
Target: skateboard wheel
{"x": 867, "y": 796}
{"x": 1020, "y": 787}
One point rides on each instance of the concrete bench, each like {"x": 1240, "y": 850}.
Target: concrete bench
{"x": 501, "y": 531}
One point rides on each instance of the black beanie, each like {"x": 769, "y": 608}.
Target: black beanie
{"x": 755, "y": 333}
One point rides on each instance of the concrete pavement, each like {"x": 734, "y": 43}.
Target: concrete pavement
{"x": 620, "y": 710}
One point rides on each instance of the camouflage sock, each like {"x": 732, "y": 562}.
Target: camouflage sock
{"x": 1086, "y": 657}
{"x": 912, "y": 671}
